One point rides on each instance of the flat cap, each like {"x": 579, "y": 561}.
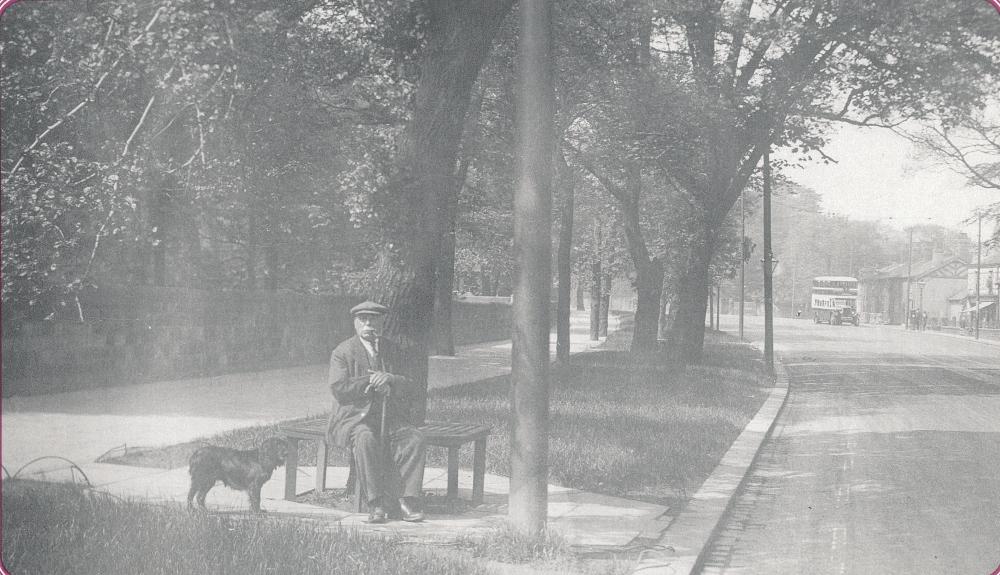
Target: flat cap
{"x": 369, "y": 307}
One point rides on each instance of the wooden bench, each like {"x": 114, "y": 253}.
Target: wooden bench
{"x": 436, "y": 434}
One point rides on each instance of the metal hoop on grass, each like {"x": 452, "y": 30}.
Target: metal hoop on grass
{"x": 73, "y": 466}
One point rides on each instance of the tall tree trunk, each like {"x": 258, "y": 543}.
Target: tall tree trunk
{"x": 649, "y": 293}
{"x": 579, "y": 294}
{"x": 564, "y": 264}
{"x": 663, "y": 324}
{"x": 444, "y": 343}
{"x": 711, "y": 308}
{"x": 648, "y": 272}
{"x": 250, "y": 266}
{"x": 595, "y": 301}
{"x": 459, "y": 36}
{"x": 162, "y": 224}
{"x": 605, "y": 303}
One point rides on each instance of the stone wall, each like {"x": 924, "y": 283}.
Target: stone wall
{"x": 151, "y": 334}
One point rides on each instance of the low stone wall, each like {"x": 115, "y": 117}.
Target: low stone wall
{"x": 152, "y": 334}
{"x": 479, "y": 321}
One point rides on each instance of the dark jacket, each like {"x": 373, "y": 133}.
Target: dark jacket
{"x": 350, "y": 367}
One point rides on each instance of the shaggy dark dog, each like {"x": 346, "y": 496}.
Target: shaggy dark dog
{"x": 245, "y": 470}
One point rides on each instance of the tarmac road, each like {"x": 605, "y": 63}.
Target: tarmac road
{"x": 885, "y": 459}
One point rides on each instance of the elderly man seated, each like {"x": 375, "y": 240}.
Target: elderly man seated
{"x": 364, "y": 375}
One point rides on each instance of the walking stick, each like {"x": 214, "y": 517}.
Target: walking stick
{"x": 384, "y": 442}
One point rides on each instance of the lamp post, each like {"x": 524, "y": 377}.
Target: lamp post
{"x": 920, "y": 308}
{"x": 979, "y": 269}
{"x": 909, "y": 272}
{"x": 768, "y": 264}
{"x": 743, "y": 258}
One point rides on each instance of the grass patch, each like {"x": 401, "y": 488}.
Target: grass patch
{"x": 635, "y": 427}
{"x": 507, "y": 545}
{"x": 50, "y": 529}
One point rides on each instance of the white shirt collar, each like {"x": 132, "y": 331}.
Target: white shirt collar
{"x": 369, "y": 346}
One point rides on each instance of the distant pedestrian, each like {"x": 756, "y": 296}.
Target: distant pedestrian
{"x": 923, "y": 321}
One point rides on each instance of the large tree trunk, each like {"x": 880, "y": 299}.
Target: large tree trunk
{"x": 663, "y": 323}
{"x": 605, "y": 303}
{"x": 688, "y": 334}
{"x": 649, "y": 271}
{"x": 459, "y": 36}
{"x": 649, "y": 292}
{"x": 595, "y": 301}
{"x": 564, "y": 264}
{"x": 162, "y": 226}
{"x": 272, "y": 260}
{"x": 444, "y": 342}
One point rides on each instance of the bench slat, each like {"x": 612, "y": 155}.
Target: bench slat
{"x": 435, "y": 432}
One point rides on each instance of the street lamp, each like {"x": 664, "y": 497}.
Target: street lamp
{"x": 774, "y": 263}
{"x": 920, "y": 309}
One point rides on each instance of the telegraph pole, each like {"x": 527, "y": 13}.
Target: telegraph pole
{"x": 743, "y": 257}
{"x": 768, "y": 267}
{"x": 979, "y": 270}
{"x": 529, "y": 394}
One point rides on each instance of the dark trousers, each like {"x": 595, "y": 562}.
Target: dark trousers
{"x": 404, "y": 477}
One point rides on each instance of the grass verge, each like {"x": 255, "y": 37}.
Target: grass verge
{"x": 50, "y": 529}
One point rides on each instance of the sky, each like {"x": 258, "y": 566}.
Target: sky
{"x": 883, "y": 176}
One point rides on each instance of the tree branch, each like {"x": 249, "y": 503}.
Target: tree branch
{"x": 739, "y": 33}
{"x": 615, "y": 190}
{"x": 90, "y": 98}
{"x": 138, "y": 125}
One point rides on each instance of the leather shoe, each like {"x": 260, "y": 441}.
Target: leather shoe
{"x": 377, "y": 515}
{"x": 410, "y": 510}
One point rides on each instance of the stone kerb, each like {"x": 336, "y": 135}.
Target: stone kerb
{"x": 681, "y": 548}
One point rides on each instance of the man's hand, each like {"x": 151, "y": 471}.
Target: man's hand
{"x": 380, "y": 381}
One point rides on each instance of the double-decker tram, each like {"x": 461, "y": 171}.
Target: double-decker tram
{"x": 835, "y": 300}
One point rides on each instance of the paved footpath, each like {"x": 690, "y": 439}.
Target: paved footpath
{"x": 81, "y": 426}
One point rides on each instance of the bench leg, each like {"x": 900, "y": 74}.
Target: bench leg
{"x": 453, "y": 472}
{"x": 291, "y": 466}
{"x": 478, "y": 471}
{"x": 321, "y": 466}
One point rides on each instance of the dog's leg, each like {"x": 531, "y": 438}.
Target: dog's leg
{"x": 191, "y": 494}
{"x": 255, "y": 496}
{"x": 204, "y": 493}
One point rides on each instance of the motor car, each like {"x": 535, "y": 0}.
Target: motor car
{"x": 845, "y": 315}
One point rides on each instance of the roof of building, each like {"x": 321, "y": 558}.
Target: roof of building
{"x": 989, "y": 259}
{"x": 835, "y": 278}
{"x": 917, "y": 269}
